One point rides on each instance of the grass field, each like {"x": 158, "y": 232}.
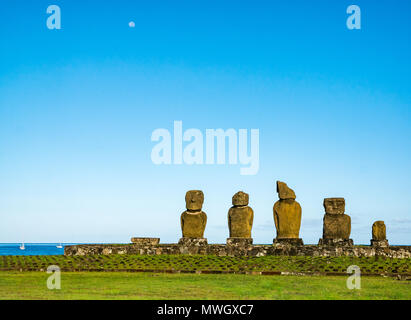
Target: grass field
{"x": 204, "y": 263}
{"x": 98, "y": 277}
{"x": 122, "y": 285}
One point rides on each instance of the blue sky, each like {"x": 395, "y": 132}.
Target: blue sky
{"x": 78, "y": 106}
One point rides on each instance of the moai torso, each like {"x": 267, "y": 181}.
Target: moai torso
{"x": 379, "y": 231}
{"x": 287, "y": 213}
{"x": 287, "y": 218}
{"x": 193, "y": 220}
{"x": 193, "y": 224}
{"x": 240, "y": 217}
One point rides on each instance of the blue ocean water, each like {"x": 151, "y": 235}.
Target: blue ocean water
{"x": 31, "y": 249}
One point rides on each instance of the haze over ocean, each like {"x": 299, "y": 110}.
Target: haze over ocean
{"x": 78, "y": 106}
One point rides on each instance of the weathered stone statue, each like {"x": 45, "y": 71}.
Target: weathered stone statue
{"x": 240, "y": 220}
{"x": 379, "y": 237}
{"x": 337, "y": 225}
{"x": 287, "y": 216}
{"x": 193, "y": 220}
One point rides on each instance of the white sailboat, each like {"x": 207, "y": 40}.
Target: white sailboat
{"x": 59, "y": 246}
{"x": 22, "y": 247}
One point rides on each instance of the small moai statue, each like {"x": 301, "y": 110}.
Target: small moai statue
{"x": 193, "y": 220}
{"x": 379, "y": 235}
{"x": 336, "y": 224}
{"x": 240, "y": 220}
{"x": 287, "y": 216}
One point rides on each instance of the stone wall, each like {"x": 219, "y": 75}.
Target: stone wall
{"x": 239, "y": 250}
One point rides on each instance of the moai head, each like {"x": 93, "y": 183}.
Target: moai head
{"x": 194, "y": 200}
{"x": 284, "y": 192}
{"x": 334, "y": 205}
{"x": 240, "y": 199}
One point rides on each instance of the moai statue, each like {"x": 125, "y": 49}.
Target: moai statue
{"x": 336, "y": 224}
{"x": 240, "y": 220}
{"x": 193, "y": 220}
{"x": 287, "y": 216}
{"x": 379, "y": 237}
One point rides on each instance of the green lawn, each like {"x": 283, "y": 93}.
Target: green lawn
{"x": 124, "y": 285}
{"x": 207, "y": 263}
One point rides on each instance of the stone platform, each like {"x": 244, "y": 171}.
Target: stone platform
{"x": 288, "y": 241}
{"x": 336, "y": 242}
{"x": 379, "y": 243}
{"x": 237, "y": 248}
{"x": 239, "y": 242}
{"x": 145, "y": 241}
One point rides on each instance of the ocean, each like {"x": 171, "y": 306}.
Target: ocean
{"x": 31, "y": 249}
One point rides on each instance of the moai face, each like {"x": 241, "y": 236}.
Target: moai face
{"x": 334, "y": 205}
{"x": 240, "y": 199}
{"x": 194, "y": 200}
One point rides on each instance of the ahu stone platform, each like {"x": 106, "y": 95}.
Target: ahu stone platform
{"x": 151, "y": 246}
